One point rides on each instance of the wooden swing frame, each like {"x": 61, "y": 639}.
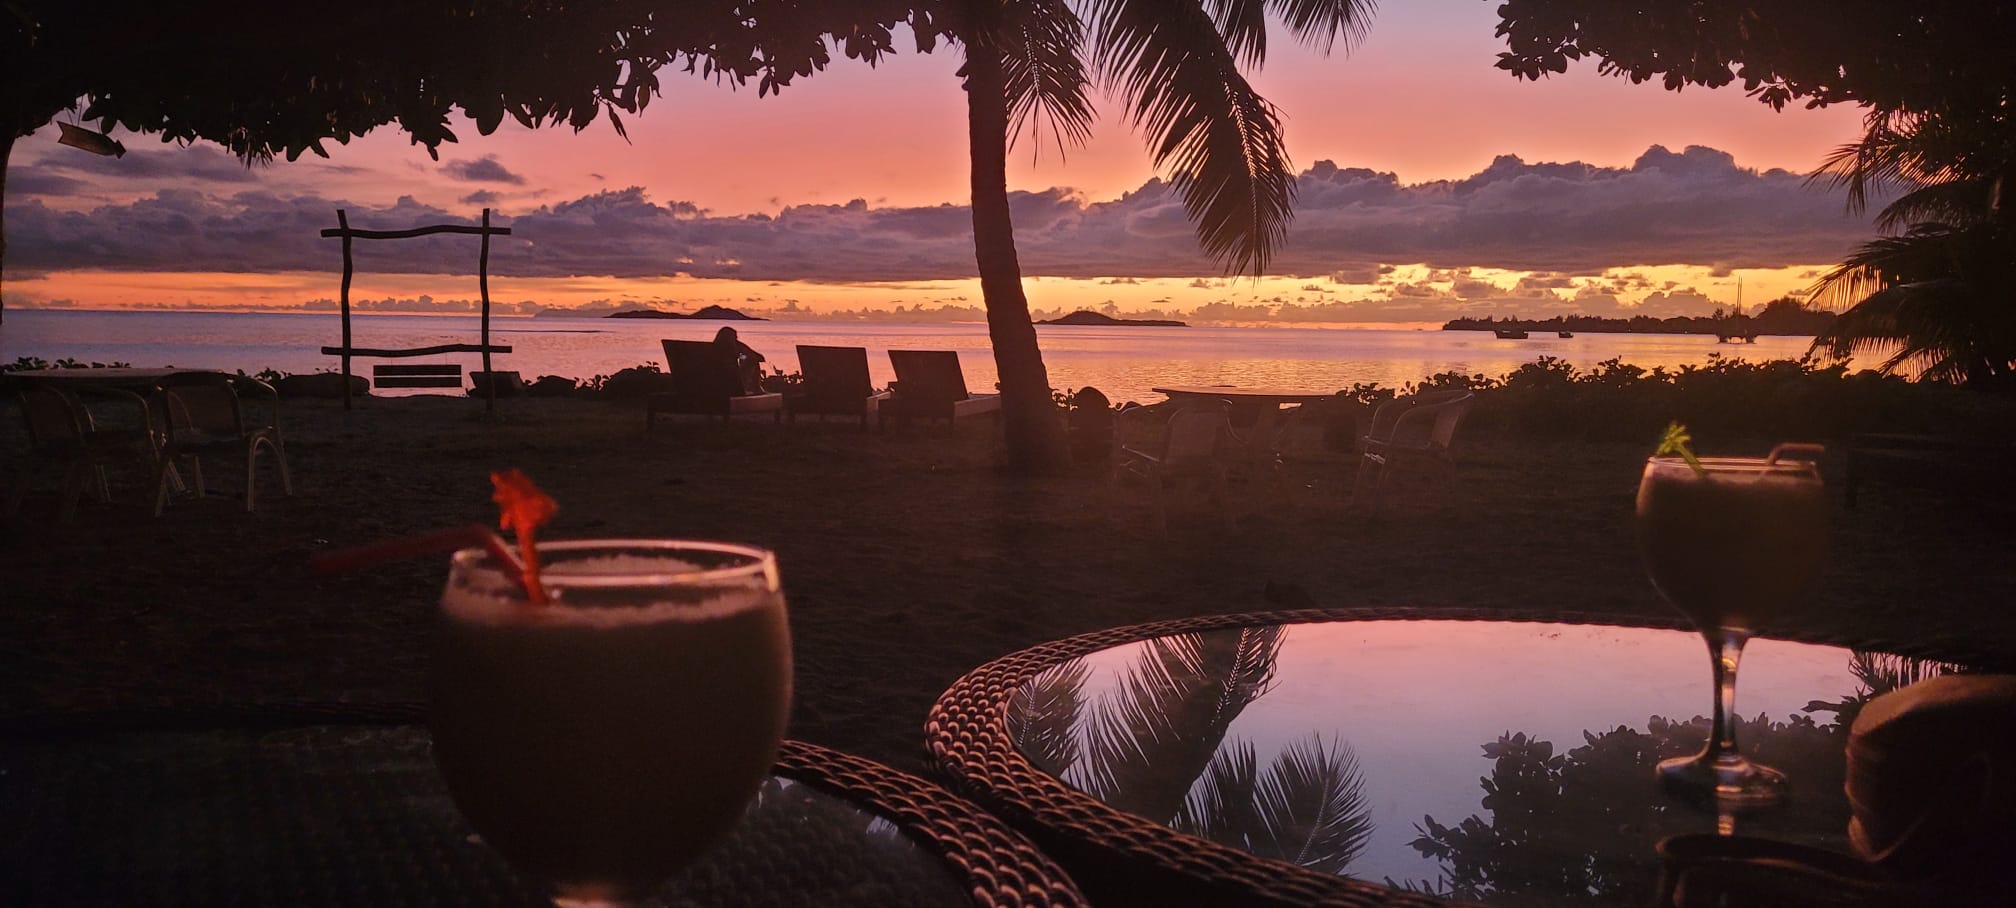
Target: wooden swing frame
{"x": 346, "y": 351}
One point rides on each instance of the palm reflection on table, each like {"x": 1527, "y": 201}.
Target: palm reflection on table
{"x": 1159, "y": 750}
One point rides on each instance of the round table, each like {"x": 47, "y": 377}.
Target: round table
{"x": 1375, "y": 757}
{"x": 355, "y": 814}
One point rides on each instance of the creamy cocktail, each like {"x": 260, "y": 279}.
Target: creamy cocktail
{"x": 605, "y": 739}
{"x": 1730, "y": 541}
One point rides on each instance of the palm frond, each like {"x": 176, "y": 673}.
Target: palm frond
{"x": 1932, "y": 300}
{"x": 1149, "y": 741}
{"x": 1952, "y": 202}
{"x": 1882, "y": 673}
{"x": 1043, "y": 716}
{"x": 1221, "y": 806}
{"x": 1220, "y": 140}
{"x": 1923, "y": 253}
{"x": 1312, "y": 801}
{"x": 1899, "y": 149}
{"x": 1039, "y": 42}
{"x": 1242, "y": 24}
{"x": 1319, "y": 23}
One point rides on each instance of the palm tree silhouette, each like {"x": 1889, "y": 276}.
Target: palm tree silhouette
{"x": 1935, "y": 296}
{"x": 1177, "y": 68}
{"x": 1156, "y": 747}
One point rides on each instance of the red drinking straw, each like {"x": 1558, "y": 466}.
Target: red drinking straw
{"x": 448, "y": 540}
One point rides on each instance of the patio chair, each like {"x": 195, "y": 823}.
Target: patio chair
{"x": 1306, "y": 439}
{"x": 706, "y": 381}
{"x": 62, "y": 431}
{"x": 836, "y": 383}
{"x": 204, "y": 416}
{"x": 1190, "y": 451}
{"x": 930, "y": 385}
{"x": 1419, "y": 428}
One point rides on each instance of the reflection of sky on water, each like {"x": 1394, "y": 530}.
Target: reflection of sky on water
{"x": 1417, "y": 700}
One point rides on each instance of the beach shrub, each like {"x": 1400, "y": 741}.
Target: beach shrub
{"x": 781, "y": 382}
{"x": 22, "y": 363}
{"x": 552, "y": 386}
{"x": 1722, "y": 398}
{"x": 626, "y": 384}
{"x": 319, "y": 384}
{"x": 268, "y": 375}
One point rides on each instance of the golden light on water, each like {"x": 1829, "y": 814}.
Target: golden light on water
{"x": 1404, "y": 296}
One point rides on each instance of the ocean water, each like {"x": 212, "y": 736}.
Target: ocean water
{"x": 1124, "y": 362}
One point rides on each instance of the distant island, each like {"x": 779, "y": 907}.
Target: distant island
{"x": 1088, "y": 317}
{"x": 718, "y": 313}
{"x": 1782, "y": 316}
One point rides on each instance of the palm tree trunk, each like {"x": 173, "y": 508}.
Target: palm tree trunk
{"x": 1035, "y": 432}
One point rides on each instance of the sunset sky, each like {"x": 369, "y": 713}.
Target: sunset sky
{"x": 1432, "y": 184}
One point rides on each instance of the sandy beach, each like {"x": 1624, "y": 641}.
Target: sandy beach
{"x": 907, "y": 556}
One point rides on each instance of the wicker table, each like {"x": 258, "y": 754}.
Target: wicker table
{"x": 354, "y": 814}
{"x": 1384, "y": 757}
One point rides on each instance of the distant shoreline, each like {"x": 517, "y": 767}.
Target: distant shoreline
{"x": 1783, "y": 317}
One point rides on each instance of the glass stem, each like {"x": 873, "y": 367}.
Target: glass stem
{"x": 1726, "y": 649}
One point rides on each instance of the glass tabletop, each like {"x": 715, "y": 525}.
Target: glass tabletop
{"x": 1505, "y": 762}
{"x": 358, "y": 816}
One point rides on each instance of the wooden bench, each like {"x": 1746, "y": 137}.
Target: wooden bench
{"x": 417, "y": 375}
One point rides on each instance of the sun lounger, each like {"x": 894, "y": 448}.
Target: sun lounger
{"x": 836, "y": 383}
{"x": 930, "y": 385}
{"x": 706, "y": 382}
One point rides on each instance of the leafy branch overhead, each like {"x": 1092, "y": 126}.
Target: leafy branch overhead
{"x": 271, "y": 84}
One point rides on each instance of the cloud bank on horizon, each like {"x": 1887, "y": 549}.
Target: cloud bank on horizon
{"x": 1694, "y": 207}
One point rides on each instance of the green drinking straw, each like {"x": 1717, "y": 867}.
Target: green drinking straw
{"x": 1675, "y": 441}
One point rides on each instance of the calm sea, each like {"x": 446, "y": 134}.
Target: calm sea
{"x": 1123, "y": 362}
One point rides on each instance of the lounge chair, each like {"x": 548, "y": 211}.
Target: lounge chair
{"x": 705, "y": 381}
{"x": 1421, "y": 427}
{"x": 61, "y": 431}
{"x": 930, "y": 385}
{"x": 203, "y": 415}
{"x": 836, "y": 383}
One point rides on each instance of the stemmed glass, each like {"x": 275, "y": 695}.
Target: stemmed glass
{"x": 1728, "y": 543}
{"x": 601, "y": 742}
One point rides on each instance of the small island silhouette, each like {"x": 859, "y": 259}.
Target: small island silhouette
{"x": 1088, "y": 317}
{"x": 721, "y": 313}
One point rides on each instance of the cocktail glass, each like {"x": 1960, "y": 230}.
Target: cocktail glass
{"x": 601, "y": 742}
{"x": 1729, "y": 546}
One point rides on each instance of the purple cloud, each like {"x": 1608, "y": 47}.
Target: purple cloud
{"x": 1695, "y": 207}
{"x": 485, "y": 169}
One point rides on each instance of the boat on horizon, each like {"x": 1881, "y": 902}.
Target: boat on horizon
{"x": 1564, "y": 335}
{"x": 1509, "y": 333}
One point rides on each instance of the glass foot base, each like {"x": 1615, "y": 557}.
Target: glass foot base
{"x": 1726, "y": 783}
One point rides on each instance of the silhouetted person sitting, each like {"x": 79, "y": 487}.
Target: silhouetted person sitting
{"x": 748, "y": 362}
{"x": 1090, "y": 425}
